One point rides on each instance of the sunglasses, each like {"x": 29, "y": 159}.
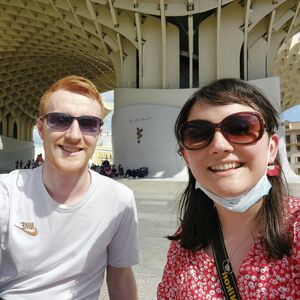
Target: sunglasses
{"x": 240, "y": 128}
{"x": 61, "y": 121}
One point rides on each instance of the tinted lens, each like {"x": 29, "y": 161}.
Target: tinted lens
{"x": 89, "y": 124}
{"x": 242, "y": 128}
{"x": 238, "y": 128}
{"x": 197, "y": 134}
{"x": 59, "y": 121}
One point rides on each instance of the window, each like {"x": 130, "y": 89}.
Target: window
{"x": 298, "y": 138}
{"x": 288, "y": 139}
{"x": 298, "y": 159}
{"x": 298, "y": 148}
{"x": 298, "y": 171}
{"x": 288, "y": 148}
{"x": 289, "y": 159}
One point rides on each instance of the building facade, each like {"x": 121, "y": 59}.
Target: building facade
{"x": 292, "y": 139}
{"x": 103, "y": 150}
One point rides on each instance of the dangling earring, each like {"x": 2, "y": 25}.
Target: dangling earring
{"x": 273, "y": 170}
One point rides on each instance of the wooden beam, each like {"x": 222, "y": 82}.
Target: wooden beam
{"x": 137, "y": 17}
{"x": 292, "y": 22}
{"x": 270, "y": 29}
{"x": 218, "y": 43}
{"x": 245, "y": 52}
{"x": 191, "y": 49}
{"x": 164, "y": 43}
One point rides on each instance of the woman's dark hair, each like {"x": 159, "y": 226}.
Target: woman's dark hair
{"x": 196, "y": 209}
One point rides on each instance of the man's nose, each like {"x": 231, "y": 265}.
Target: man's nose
{"x": 74, "y": 131}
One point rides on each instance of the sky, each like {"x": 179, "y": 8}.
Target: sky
{"x": 108, "y": 97}
{"x": 292, "y": 114}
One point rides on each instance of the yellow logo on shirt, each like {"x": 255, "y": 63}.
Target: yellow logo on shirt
{"x": 28, "y": 227}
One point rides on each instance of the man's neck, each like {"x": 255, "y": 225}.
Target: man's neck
{"x": 66, "y": 188}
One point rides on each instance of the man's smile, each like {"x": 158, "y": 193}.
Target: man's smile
{"x": 70, "y": 149}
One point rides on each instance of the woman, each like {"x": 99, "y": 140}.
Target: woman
{"x": 234, "y": 210}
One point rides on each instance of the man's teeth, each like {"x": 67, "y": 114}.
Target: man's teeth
{"x": 68, "y": 149}
{"x": 225, "y": 167}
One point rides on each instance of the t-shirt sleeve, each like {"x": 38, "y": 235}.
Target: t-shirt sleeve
{"x": 123, "y": 250}
{"x": 170, "y": 283}
{"x": 4, "y": 210}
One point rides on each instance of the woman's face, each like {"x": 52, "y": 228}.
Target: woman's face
{"x": 224, "y": 168}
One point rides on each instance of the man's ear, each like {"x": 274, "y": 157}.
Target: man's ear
{"x": 40, "y": 126}
{"x": 273, "y": 148}
{"x": 99, "y": 133}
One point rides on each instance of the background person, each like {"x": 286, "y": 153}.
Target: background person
{"x": 61, "y": 225}
{"x": 226, "y": 135}
{"x": 120, "y": 170}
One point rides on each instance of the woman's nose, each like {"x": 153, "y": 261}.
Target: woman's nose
{"x": 219, "y": 143}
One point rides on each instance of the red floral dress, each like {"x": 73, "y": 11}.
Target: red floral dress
{"x": 193, "y": 275}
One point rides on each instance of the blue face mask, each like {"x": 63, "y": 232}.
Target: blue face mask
{"x": 242, "y": 202}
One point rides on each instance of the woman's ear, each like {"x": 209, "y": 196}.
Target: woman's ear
{"x": 273, "y": 148}
{"x": 182, "y": 152}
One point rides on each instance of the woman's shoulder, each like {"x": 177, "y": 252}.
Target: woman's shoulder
{"x": 176, "y": 250}
{"x": 293, "y": 206}
{"x": 294, "y": 220}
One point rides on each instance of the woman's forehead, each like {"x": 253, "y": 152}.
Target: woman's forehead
{"x": 215, "y": 113}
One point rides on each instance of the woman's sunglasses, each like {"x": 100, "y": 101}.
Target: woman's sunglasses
{"x": 239, "y": 128}
{"x": 61, "y": 121}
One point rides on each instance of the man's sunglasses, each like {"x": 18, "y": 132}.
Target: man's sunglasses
{"x": 239, "y": 128}
{"x": 61, "y": 121}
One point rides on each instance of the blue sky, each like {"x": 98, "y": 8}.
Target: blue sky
{"x": 108, "y": 97}
{"x": 292, "y": 114}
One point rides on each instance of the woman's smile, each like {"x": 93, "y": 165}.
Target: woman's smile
{"x": 225, "y": 167}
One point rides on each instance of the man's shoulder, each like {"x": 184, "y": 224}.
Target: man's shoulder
{"x": 110, "y": 184}
{"x": 14, "y": 183}
{"x": 18, "y": 175}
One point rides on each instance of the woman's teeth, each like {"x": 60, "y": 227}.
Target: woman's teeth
{"x": 225, "y": 167}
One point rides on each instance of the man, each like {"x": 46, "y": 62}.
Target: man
{"x": 62, "y": 225}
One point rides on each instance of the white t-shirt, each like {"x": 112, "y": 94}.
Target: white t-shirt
{"x": 56, "y": 251}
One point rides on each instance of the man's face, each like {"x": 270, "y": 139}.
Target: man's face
{"x": 68, "y": 151}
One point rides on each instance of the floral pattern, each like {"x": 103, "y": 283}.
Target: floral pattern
{"x": 193, "y": 275}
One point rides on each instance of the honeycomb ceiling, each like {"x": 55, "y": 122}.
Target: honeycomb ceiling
{"x": 287, "y": 66}
{"x": 44, "y": 40}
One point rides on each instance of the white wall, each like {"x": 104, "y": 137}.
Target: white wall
{"x": 156, "y": 148}
{"x": 11, "y": 150}
{"x": 154, "y": 111}
{"x": 152, "y": 54}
